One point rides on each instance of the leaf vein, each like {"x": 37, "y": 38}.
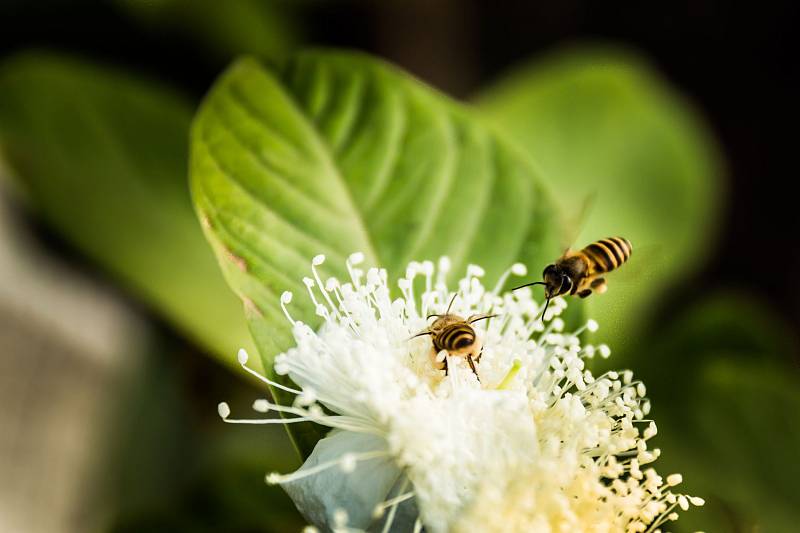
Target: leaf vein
{"x": 311, "y": 239}
{"x": 328, "y": 161}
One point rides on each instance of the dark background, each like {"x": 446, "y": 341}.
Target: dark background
{"x": 736, "y": 62}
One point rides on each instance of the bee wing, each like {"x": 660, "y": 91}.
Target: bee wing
{"x": 573, "y": 225}
{"x": 644, "y": 263}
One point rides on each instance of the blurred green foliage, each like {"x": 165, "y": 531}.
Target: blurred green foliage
{"x": 612, "y": 138}
{"x": 339, "y": 153}
{"x": 736, "y": 443}
{"x": 101, "y": 155}
{"x": 728, "y": 411}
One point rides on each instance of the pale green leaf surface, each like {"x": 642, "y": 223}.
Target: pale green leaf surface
{"x": 102, "y": 156}
{"x": 339, "y": 153}
{"x": 607, "y": 129}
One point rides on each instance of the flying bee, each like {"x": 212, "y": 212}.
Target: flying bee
{"x": 582, "y": 272}
{"x": 456, "y": 335}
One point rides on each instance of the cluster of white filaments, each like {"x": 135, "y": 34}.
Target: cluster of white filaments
{"x": 534, "y": 442}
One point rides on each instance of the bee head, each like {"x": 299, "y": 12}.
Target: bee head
{"x": 556, "y": 281}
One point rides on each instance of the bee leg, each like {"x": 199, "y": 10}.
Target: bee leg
{"x": 584, "y": 293}
{"x": 599, "y": 285}
{"x": 472, "y": 366}
{"x": 445, "y": 366}
{"x": 480, "y": 354}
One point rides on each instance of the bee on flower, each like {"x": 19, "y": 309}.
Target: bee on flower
{"x": 536, "y": 444}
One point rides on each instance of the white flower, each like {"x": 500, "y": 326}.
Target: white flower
{"x": 535, "y": 443}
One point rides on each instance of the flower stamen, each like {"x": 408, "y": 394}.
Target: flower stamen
{"x": 347, "y": 463}
{"x": 242, "y": 357}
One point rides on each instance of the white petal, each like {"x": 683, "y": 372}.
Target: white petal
{"x": 318, "y": 496}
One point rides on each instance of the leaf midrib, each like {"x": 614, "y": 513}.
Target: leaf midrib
{"x": 327, "y": 159}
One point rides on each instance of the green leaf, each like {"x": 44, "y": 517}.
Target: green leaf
{"x": 723, "y": 322}
{"x": 727, "y": 406}
{"x": 605, "y": 127}
{"x": 101, "y": 156}
{"x": 737, "y": 443}
{"x": 338, "y": 153}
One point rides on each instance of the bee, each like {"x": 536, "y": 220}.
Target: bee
{"x": 456, "y": 335}
{"x": 582, "y": 272}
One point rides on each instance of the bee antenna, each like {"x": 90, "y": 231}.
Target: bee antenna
{"x": 482, "y": 317}
{"x": 420, "y": 334}
{"x": 453, "y": 299}
{"x": 529, "y": 284}
{"x": 546, "y": 305}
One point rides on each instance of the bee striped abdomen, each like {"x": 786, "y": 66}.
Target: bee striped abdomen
{"x": 608, "y": 254}
{"x": 455, "y": 337}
